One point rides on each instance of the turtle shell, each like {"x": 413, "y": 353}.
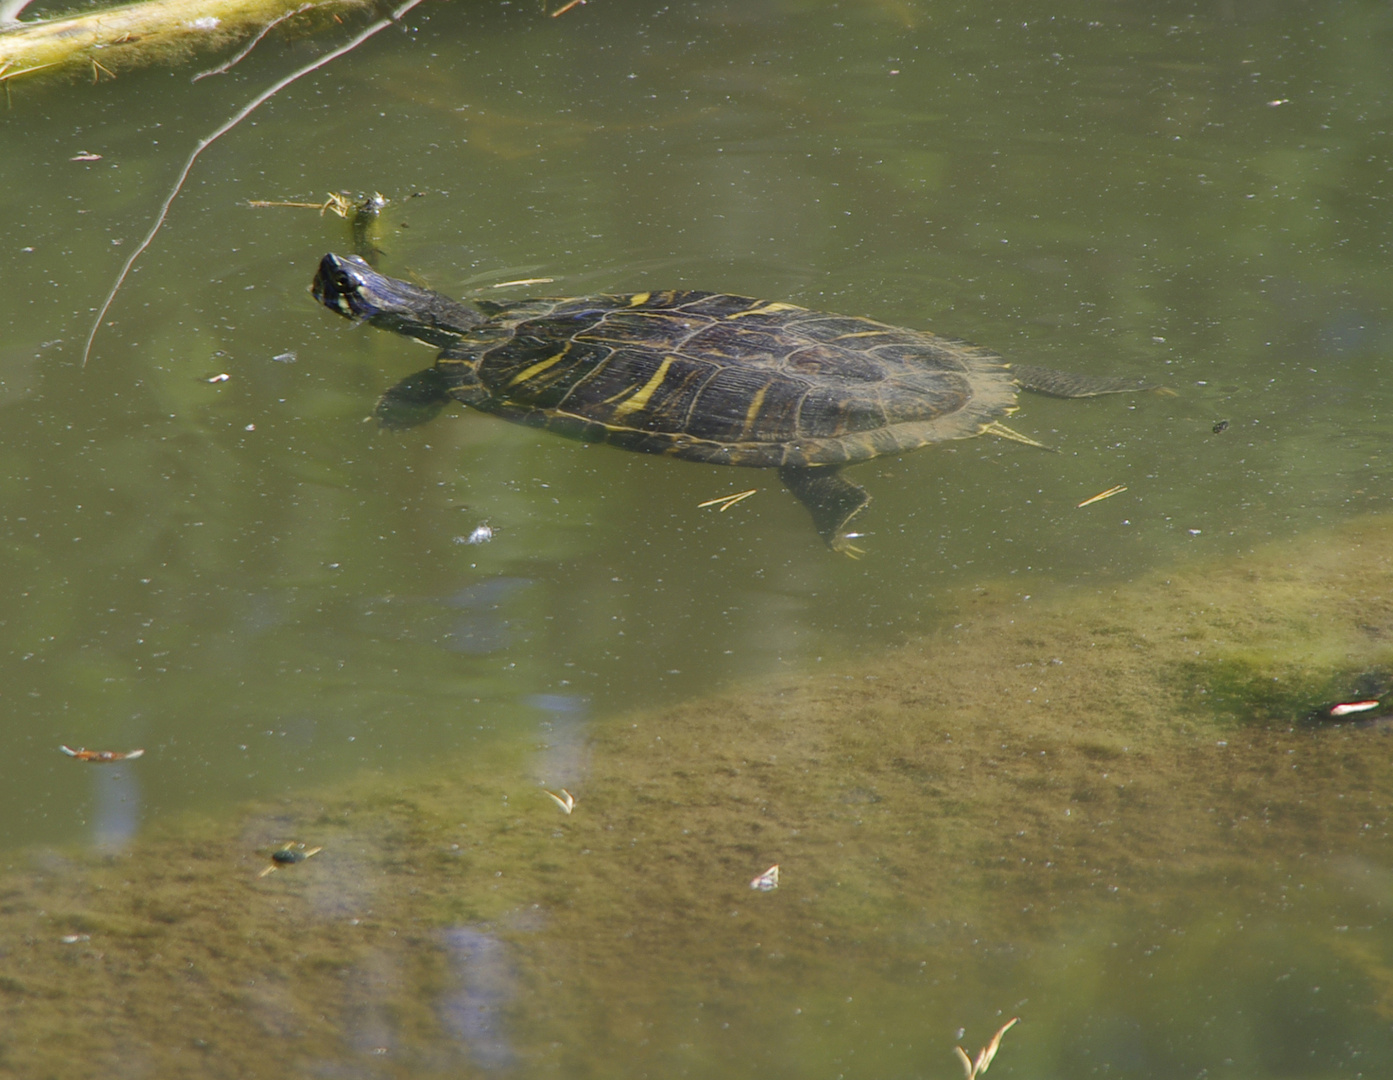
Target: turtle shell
{"x": 726, "y": 379}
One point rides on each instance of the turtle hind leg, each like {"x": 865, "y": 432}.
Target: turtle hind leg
{"x": 831, "y": 498}
{"x": 1066, "y": 384}
{"x": 415, "y": 400}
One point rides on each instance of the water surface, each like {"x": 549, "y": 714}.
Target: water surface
{"x": 272, "y": 597}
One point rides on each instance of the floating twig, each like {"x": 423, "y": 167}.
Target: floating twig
{"x": 567, "y": 804}
{"x": 6, "y": 74}
{"x": 523, "y": 281}
{"x": 261, "y": 99}
{"x": 1117, "y": 490}
{"x": 337, "y": 203}
{"x": 567, "y": 7}
{"x": 725, "y": 502}
{"x": 288, "y": 855}
{"x": 975, "y": 1068}
{"x": 1002, "y": 431}
{"x": 100, "y": 757}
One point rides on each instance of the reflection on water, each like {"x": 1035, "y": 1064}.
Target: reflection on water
{"x": 116, "y": 806}
{"x": 472, "y": 1011}
{"x": 561, "y": 762}
{"x": 484, "y": 630}
{"x": 1025, "y": 756}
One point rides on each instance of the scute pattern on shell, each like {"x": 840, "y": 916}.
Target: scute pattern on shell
{"x": 722, "y": 378}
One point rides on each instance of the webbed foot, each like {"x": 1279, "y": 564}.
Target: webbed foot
{"x": 831, "y": 498}
{"x": 415, "y": 400}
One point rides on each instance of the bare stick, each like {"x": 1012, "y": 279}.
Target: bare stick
{"x": 223, "y": 69}
{"x": 10, "y": 9}
{"x": 261, "y": 99}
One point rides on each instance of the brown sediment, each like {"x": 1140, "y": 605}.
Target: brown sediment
{"x": 1041, "y": 772}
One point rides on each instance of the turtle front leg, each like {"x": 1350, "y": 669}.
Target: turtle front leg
{"x": 415, "y": 400}
{"x": 831, "y": 498}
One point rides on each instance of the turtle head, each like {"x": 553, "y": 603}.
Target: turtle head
{"x": 355, "y": 290}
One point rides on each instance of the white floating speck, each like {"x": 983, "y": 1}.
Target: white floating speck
{"x": 767, "y": 881}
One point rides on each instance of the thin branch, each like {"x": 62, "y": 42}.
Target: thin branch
{"x": 203, "y": 145}
{"x": 10, "y": 9}
{"x": 223, "y": 69}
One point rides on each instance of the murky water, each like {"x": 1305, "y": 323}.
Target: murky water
{"x": 278, "y": 602}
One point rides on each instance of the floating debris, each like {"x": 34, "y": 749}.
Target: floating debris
{"x": 1221, "y": 427}
{"x": 565, "y": 800}
{"x": 73, "y": 939}
{"x": 286, "y": 357}
{"x": 100, "y": 757}
{"x": 85, "y": 156}
{"x": 975, "y": 1068}
{"x": 482, "y": 534}
{"x": 337, "y": 203}
{"x": 1347, "y": 708}
{"x": 523, "y": 281}
{"x": 222, "y": 376}
{"x": 1118, "y": 490}
{"x": 725, "y": 502}
{"x": 1001, "y": 431}
{"x": 1364, "y": 711}
{"x": 767, "y": 881}
{"x": 567, "y": 7}
{"x": 288, "y": 855}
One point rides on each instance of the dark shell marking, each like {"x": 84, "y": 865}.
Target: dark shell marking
{"x": 706, "y": 376}
{"x": 728, "y": 379}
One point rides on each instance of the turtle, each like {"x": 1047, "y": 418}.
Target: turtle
{"x": 702, "y": 376}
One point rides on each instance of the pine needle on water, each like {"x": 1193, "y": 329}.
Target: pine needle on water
{"x": 261, "y": 99}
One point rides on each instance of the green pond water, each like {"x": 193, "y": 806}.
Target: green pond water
{"x": 1022, "y": 759}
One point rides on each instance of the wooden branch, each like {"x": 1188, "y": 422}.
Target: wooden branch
{"x": 155, "y": 31}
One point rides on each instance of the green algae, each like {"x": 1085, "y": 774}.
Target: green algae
{"x": 1031, "y": 805}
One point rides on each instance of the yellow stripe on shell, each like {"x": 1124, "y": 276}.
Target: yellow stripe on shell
{"x": 537, "y": 368}
{"x": 640, "y": 399}
{"x": 639, "y": 299}
{"x": 752, "y": 413}
{"x": 766, "y": 309}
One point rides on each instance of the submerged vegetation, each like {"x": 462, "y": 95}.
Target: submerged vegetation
{"x": 1031, "y": 784}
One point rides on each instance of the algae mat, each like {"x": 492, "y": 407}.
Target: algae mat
{"x": 1101, "y": 812}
